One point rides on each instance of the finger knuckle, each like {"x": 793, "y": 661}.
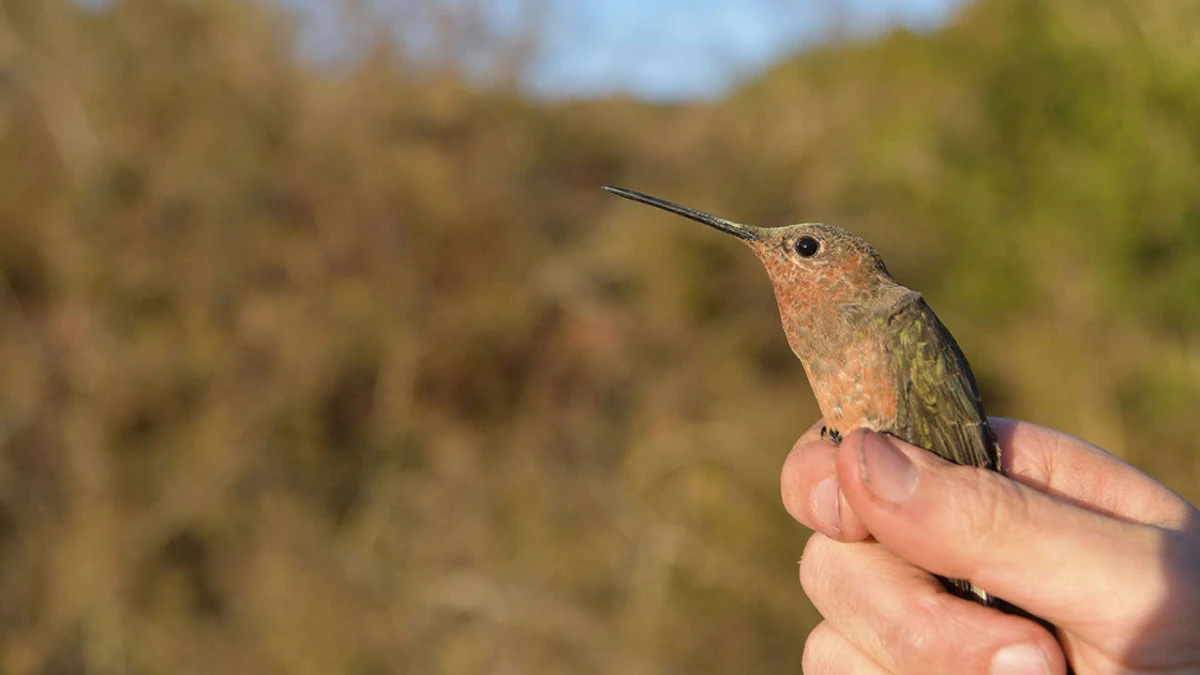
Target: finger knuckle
{"x": 813, "y": 565}
{"x": 991, "y": 505}
{"x": 921, "y": 642}
{"x": 917, "y": 644}
{"x": 821, "y": 650}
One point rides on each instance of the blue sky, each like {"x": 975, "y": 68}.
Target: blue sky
{"x": 657, "y": 49}
{"x": 667, "y": 49}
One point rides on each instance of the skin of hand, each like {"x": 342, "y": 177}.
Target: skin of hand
{"x": 1071, "y": 533}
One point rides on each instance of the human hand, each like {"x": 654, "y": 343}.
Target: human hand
{"x": 1072, "y": 534}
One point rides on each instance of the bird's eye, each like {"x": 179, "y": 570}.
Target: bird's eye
{"x": 807, "y": 246}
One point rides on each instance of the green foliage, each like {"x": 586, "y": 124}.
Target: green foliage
{"x": 352, "y": 367}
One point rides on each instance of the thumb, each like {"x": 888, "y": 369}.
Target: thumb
{"x": 1054, "y": 559}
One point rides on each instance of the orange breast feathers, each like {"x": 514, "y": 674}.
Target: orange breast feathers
{"x": 854, "y": 388}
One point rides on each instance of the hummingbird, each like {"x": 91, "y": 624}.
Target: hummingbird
{"x": 875, "y": 354}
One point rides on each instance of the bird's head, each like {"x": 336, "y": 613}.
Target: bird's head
{"x": 825, "y": 278}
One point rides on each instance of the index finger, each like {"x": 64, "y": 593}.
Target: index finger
{"x": 809, "y": 487}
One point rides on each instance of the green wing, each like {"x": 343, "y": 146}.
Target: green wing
{"x": 939, "y": 407}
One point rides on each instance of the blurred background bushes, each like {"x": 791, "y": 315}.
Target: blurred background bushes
{"x": 347, "y": 364}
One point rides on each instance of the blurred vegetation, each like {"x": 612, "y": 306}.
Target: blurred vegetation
{"x": 348, "y": 365}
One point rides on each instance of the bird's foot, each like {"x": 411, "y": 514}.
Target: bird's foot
{"x": 828, "y": 434}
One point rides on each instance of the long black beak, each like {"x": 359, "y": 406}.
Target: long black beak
{"x": 745, "y": 232}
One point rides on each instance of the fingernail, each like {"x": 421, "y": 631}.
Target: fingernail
{"x": 826, "y": 505}
{"x": 886, "y": 471}
{"x": 1020, "y": 660}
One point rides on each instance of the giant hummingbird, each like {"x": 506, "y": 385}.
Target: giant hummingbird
{"x": 876, "y": 355}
